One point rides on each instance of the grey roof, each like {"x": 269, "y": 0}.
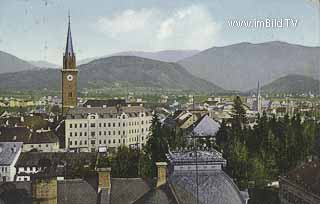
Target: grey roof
{"x": 69, "y": 46}
{"x": 108, "y": 112}
{"x": 189, "y": 157}
{"x": 8, "y": 152}
{"x": 214, "y": 187}
{"x": 128, "y": 190}
{"x": 76, "y": 191}
{"x": 162, "y": 194}
{"x": 205, "y": 126}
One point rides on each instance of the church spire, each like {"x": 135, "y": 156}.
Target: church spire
{"x": 69, "y": 46}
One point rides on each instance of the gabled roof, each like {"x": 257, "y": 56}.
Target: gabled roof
{"x": 204, "y": 126}
{"x": 8, "y": 152}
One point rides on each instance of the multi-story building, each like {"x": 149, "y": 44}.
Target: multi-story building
{"x": 9, "y": 154}
{"x": 106, "y": 128}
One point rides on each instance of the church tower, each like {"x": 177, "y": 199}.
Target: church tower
{"x": 69, "y": 75}
{"x": 258, "y": 100}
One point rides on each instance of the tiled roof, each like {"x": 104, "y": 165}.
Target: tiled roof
{"x": 204, "y": 126}
{"x": 162, "y": 194}
{"x": 128, "y": 190}
{"x": 23, "y": 134}
{"x": 213, "y": 187}
{"x": 108, "y": 112}
{"x": 8, "y": 152}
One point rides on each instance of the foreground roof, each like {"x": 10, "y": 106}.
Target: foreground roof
{"x": 8, "y": 152}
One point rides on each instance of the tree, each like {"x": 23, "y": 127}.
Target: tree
{"x": 157, "y": 144}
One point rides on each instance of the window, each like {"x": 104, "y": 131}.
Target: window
{"x": 75, "y": 126}
{"x": 109, "y": 124}
{"x": 119, "y": 133}
{"x": 99, "y": 124}
{"x": 75, "y": 134}
{"x": 114, "y": 124}
{"x": 104, "y": 142}
{"x": 123, "y": 117}
{"x": 99, "y": 141}
{"x": 85, "y": 125}
{"x": 142, "y": 138}
{"x": 93, "y": 142}
{"x": 70, "y": 134}
{"x": 70, "y": 94}
{"x": 100, "y": 133}
{"x": 109, "y": 141}
{"x": 119, "y": 141}
{"x": 124, "y": 124}
{"x": 85, "y": 133}
{"x": 105, "y": 133}
{"x": 141, "y": 122}
{"x": 124, "y": 132}
{"x": 114, "y": 141}
{"x": 124, "y": 141}
{"x": 93, "y": 125}
{"x": 114, "y": 132}
{"x": 80, "y": 125}
{"x": 80, "y": 133}
{"x": 70, "y": 143}
{"x": 80, "y": 142}
{"x": 104, "y": 124}
{"x": 119, "y": 124}
{"x": 93, "y": 134}
{"x": 85, "y": 142}
{"x": 109, "y": 132}
{"x": 70, "y": 126}
{"x": 76, "y": 142}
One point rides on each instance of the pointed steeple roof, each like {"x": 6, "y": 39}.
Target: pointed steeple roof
{"x": 69, "y": 46}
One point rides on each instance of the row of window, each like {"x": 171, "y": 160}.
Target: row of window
{"x": 114, "y": 141}
{"x": 109, "y": 132}
{"x": 93, "y": 125}
{"x": 4, "y": 169}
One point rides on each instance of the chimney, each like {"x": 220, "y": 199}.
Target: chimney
{"x": 162, "y": 173}
{"x": 44, "y": 190}
{"x": 104, "y": 178}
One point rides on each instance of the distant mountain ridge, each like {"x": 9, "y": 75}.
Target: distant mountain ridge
{"x": 43, "y": 64}
{"x": 164, "y": 55}
{"x": 100, "y": 73}
{"x": 294, "y": 84}
{"x": 11, "y": 63}
{"x": 241, "y": 66}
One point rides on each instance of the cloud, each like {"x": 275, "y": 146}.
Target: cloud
{"x": 190, "y": 27}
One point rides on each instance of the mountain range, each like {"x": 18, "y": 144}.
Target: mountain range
{"x": 297, "y": 84}
{"x": 164, "y": 55}
{"x": 11, "y": 63}
{"x": 235, "y": 67}
{"x": 103, "y": 73}
{"x": 241, "y": 66}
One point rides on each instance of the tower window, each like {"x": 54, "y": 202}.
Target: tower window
{"x": 70, "y": 94}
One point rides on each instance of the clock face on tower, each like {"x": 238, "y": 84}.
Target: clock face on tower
{"x": 69, "y": 77}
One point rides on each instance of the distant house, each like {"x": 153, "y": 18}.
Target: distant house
{"x": 9, "y": 154}
{"x": 41, "y": 140}
{"x": 204, "y": 127}
{"x": 301, "y": 185}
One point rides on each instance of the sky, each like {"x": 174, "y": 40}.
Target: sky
{"x": 37, "y": 29}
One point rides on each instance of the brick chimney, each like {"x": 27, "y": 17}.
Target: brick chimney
{"x": 44, "y": 190}
{"x": 162, "y": 173}
{"x": 104, "y": 178}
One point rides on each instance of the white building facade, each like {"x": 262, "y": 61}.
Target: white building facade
{"x": 106, "y": 128}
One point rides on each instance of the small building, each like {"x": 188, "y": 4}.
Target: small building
{"x": 204, "y": 127}
{"x": 9, "y": 154}
{"x": 301, "y": 185}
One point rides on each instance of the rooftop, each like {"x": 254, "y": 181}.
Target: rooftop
{"x": 8, "y": 152}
